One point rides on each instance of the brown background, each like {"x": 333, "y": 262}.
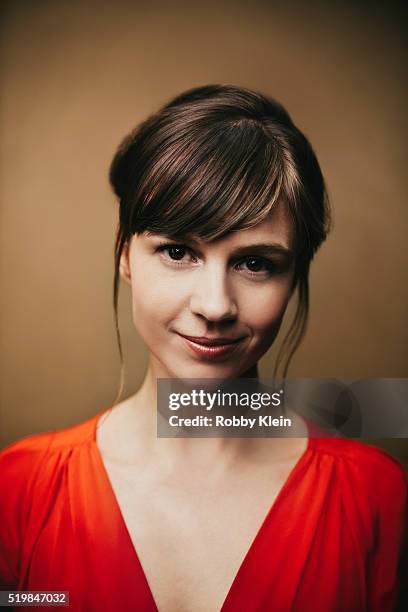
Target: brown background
{"x": 76, "y": 76}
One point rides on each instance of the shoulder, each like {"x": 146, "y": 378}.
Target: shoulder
{"x": 31, "y": 471}
{"x": 35, "y": 447}
{"x": 32, "y": 460}
{"x": 367, "y": 471}
{"x": 373, "y": 496}
{"x": 362, "y": 455}
{"x": 28, "y": 460}
{"x": 27, "y": 465}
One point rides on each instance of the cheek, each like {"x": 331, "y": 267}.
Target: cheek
{"x": 263, "y": 310}
{"x": 153, "y": 301}
{"x": 264, "y": 313}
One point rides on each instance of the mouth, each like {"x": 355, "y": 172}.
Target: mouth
{"x": 212, "y": 346}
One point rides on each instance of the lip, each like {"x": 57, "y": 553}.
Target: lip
{"x": 212, "y": 341}
{"x": 212, "y": 347}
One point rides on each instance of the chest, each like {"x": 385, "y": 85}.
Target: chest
{"x": 200, "y": 546}
{"x": 191, "y": 536}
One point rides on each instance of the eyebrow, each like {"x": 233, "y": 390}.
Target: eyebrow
{"x": 262, "y": 249}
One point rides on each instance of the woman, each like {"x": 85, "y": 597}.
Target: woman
{"x": 222, "y": 207}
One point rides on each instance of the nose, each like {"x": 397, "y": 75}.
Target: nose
{"x": 212, "y": 296}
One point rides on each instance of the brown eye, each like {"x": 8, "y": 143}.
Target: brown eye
{"x": 255, "y": 264}
{"x": 176, "y": 252}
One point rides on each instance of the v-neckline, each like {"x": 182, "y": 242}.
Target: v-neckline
{"x": 250, "y": 551}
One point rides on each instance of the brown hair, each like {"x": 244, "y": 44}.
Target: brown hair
{"x": 214, "y": 160}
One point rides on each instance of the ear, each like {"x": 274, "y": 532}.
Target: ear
{"x": 124, "y": 266}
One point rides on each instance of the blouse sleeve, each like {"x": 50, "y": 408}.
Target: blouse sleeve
{"x": 20, "y": 464}
{"x": 388, "y": 576}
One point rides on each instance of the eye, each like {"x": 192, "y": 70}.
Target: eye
{"x": 258, "y": 266}
{"x": 174, "y": 252}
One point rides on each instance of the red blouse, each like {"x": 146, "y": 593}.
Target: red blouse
{"x": 330, "y": 542}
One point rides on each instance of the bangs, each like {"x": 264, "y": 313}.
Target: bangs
{"x": 226, "y": 177}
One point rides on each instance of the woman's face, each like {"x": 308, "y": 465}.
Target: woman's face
{"x": 210, "y": 309}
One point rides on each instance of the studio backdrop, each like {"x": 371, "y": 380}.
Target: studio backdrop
{"x": 77, "y": 76}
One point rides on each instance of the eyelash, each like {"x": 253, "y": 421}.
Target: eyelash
{"x": 270, "y": 268}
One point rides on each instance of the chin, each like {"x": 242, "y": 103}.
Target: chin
{"x": 205, "y": 370}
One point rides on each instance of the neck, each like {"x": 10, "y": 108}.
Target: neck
{"x": 154, "y": 372}
{"x": 205, "y": 454}
{"x": 144, "y": 409}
